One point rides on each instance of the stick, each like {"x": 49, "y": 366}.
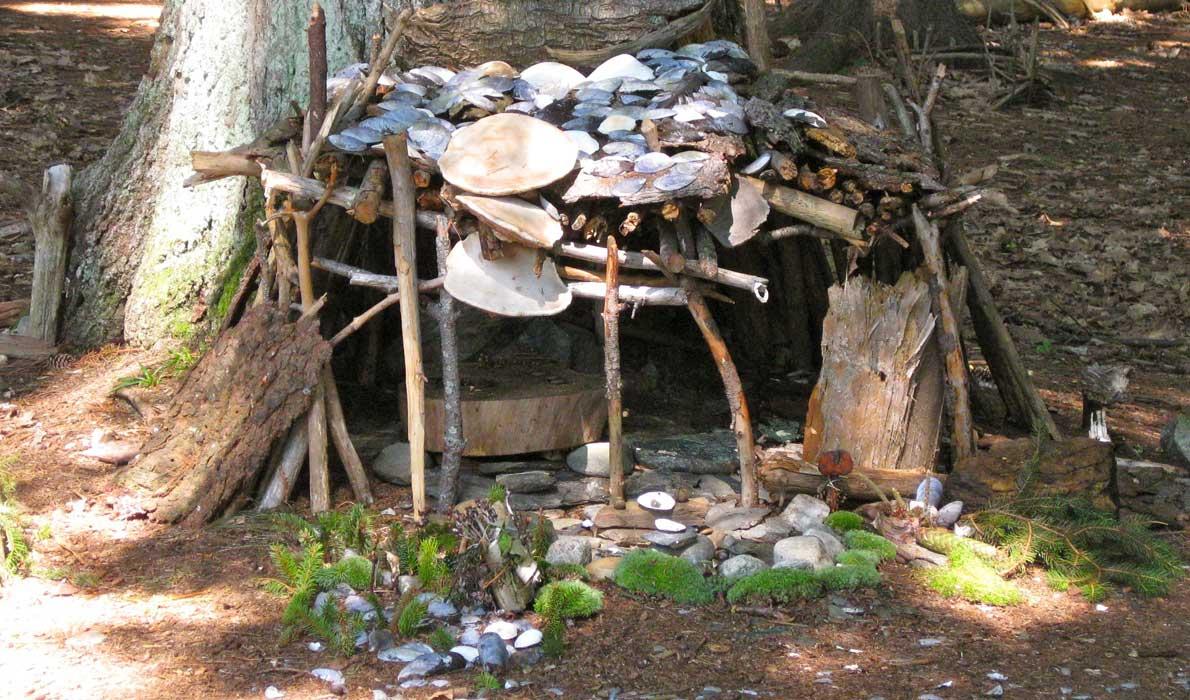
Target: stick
{"x": 359, "y": 321}
{"x": 799, "y": 76}
{"x": 453, "y": 440}
{"x": 631, "y": 295}
{"x": 667, "y": 249}
{"x": 405, "y": 254}
{"x": 284, "y": 476}
{"x": 904, "y": 121}
{"x": 808, "y": 208}
{"x": 342, "y": 439}
{"x": 741, "y": 419}
{"x": 50, "y": 219}
{"x": 590, "y": 253}
{"x": 316, "y": 40}
{"x": 962, "y": 429}
{"x": 708, "y": 258}
{"x": 935, "y": 88}
{"x": 378, "y": 66}
{"x": 365, "y": 208}
{"x": 611, "y": 370}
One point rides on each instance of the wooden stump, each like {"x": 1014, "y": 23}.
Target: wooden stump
{"x": 50, "y": 218}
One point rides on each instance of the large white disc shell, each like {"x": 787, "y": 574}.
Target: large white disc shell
{"x": 507, "y": 154}
{"x": 509, "y": 286}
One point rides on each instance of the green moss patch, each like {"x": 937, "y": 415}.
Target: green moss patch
{"x": 861, "y": 539}
{"x": 775, "y": 586}
{"x": 844, "y": 521}
{"x": 969, "y": 577}
{"x": 653, "y": 573}
{"x": 849, "y": 577}
{"x": 858, "y": 557}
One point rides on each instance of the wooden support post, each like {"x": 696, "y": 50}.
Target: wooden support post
{"x": 962, "y": 434}
{"x": 708, "y": 258}
{"x": 284, "y": 475}
{"x": 741, "y": 418}
{"x": 611, "y": 369}
{"x": 405, "y": 253}
{"x": 1023, "y": 403}
{"x": 452, "y": 410}
{"x": 50, "y": 219}
{"x": 756, "y": 34}
{"x": 316, "y": 40}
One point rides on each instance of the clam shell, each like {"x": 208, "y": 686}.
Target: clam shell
{"x": 656, "y": 501}
{"x": 507, "y": 154}
{"x": 652, "y": 163}
{"x": 628, "y": 187}
{"x": 608, "y": 167}
{"x": 509, "y": 286}
{"x": 346, "y": 143}
{"x": 689, "y": 167}
{"x": 616, "y": 122}
{"x": 621, "y": 66}
{"x": 805, "y": 116}
{"x": 667, "y": 525}
{"x": 759, "y": 164}
{"x": 434, "y": 74}
{"x": 364, "y": 134}
{"x": 591, "y": 109}
{"x": 689, "y": 157}
{"x": 552, "y": 78}
{"x": 673, "y": 181}
{"x": 585, "y": 142}
{"x": 624, "y": 148}
{"x": 595, "y": 95}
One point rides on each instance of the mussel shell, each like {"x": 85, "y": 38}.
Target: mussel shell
{"x": 758, "y": 165}
{"x": 346, "y": 143}
{"x": 585, "y": 142}
{"x": 435, "y": 74}
{"x": 730, "y": 124}
{"x": 629, "y": 186}
{"x": 652, "y": 163}
{"x": 616, "y": 122}
{"x": 581, "y": 124}
{"x": 591, "y": 109}
{"x": 690, "y": 167}
{"x": 627, "y": 149}
{"x": 689, "y": 157}
{"x": 607, "y": 167}
{"x": 595, "y": 95}
{"x": 673, "y": 181}
{"x": 363, "y": 134}
{"x": 430, "y": 137}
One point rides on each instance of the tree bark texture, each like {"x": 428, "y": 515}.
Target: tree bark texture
{"x": 151, "y": 257}
{"x": 244, "y": 394}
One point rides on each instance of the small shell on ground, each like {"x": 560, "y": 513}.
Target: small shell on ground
{"x": 552, "y": 78}
{"x": 656, "y": 500}
{"x": 761, "y": 162}
{"x": 806, "y": 117}
{"x": 621, "y": 66}
{"x": 667, "y": 525}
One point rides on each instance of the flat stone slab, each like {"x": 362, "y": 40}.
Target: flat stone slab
{"x": 697, "y": 453}
{"x": 541, "y": 465}
{"x": 729, "y": 517}
{"x": 526, "y": 482}
{"x": 671, "y": 540}
{"x": 691, "y": 513}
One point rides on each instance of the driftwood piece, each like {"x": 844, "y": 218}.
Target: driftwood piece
{"x": 631, "y": 295}
{"x": 596, "y": 254}
{"x": 1023, "y": 403}
{"x": 317, "y": 457}
{"x": 667, "y": 35}
{"x": 245, "y": 392}
{"x": 25, "y": 346}
{"x": 283, "y": 474}
{"x": 879, "y": 394}
{"x": 713, "y": 179}
{"x": 741, "y": 418}
{"x": 453, "y": 441}
{"x": 798, "y": 76}
{"x": 50, "y": 218}
{"x": 405, "y": 255}
{"x": 611, "y": 371}
{"x": 783, "y": 471}
{"x": 948, "y": 333}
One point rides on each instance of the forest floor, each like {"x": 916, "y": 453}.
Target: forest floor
{"x": 1093, "y": 266}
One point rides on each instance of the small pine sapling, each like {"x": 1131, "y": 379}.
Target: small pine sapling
{"x": 488, "y": 682}
{"x": 441, "y": 639}
{"x": 411, "y": 617}
{"x": 567, "y": 600}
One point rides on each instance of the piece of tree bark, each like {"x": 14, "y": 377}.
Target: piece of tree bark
{"x": 244, "y": 394}
{"x": 453, "y": 441}
{"x": 318, "y": 466}
{"x": 741, "y": 418}
{"x": 1079, "y": 467}
{"x": 962, "y": 436}
{"x": 405, "y": 254}
{"x": 50, "y": 218}
{"x": 25, "y": 346}
{"x": 670, "y": 34}
{"x": 805, "y": 207}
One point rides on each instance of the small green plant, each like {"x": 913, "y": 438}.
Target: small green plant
{"x": 566, "y": 572}
{"x": 1045, "y": 347}
{"x": 441, "y": 639}
{"x": 653, "y": 573}
{"x": 497, "y": 493}
{"x": 300, "y": 577}
{"x": 844, "y": 521}
{"x": 14, "y": 547}
{"x": 770, "y": 586}
{"x": 566, "y": 600}
{"x": 553, "y": 639}
{"x": 336, "y": 530}
{"x": 432, "y": 569}
{"x": 849, "y": 577}
{"x": 411, "y": 617}
{"x": 181, "y": 360}
{"x": 862, "y": 539}
{"x": 858, "y": 557}
{"x": 488, "y": 682}
{"x": 147, "y": 378}
{"x": 966, "y": 575}
{"x": 354, "y": 571}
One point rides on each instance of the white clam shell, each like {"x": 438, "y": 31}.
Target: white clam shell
{"x": 656, "y": 500}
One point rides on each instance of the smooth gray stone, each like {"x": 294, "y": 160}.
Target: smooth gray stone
{"x": 577, "y": 492}
{"x": 569, "y": 550}
{"x": 593, "y": 459}
{"x": 830, "y": 541}
{"x": 703, "y": 550}
{"x": 494, "y": 468}
{"x": 393, "y": 464}
{"x": 493, "y": 653}
{"x": 741, "y": 565}
{"x": 661, "y": 480}
{"x": 526, "y": 482}
{"x": 670, "y": 540}
{"x": 431, "y": 664}
{"x": 715, "y": 489}
{"x": 728, "y": 517}
{"x": 803, "y": 552}
{"x": 771, "y": 531}
{"x": 805, "y": 511}
{"x": 405, "y": 652}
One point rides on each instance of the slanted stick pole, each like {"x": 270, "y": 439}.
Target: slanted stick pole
{"x": 740, "y": 416}
{"x": 611, "y": 369}
{"x": 405, "y": 254}
{"x": 962, "y": 435}
{"x": 453, "y": 440}
{"x": 316, "y": 39}
{"x": 337, "y": 422}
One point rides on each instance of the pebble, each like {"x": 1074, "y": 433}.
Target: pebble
{"x": 442, "y": 610}
{"x": 406, "y": 652}
{"x": 469, "y": 653}
{"x": 667, "y": 525}
{"x": 929, "y": 642}
{"x": 741, "y": 565}
{"x": 805, "y": 511}
{"x": 569, "y": 550}
{"x": 469, "y": 637}
{"x": 671, "y": 540}
{"x": 528, "y": 638}
{"x": 995, "y": 691}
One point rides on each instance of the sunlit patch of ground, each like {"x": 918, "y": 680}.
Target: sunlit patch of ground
{"x": 141, "y": 13}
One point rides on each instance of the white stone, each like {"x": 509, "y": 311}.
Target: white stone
{"x": 329, "y": 675}
{"x": 506, "y": 630}
{"x": 833, "y": 545}
{"x": 528, "y": 639}
{"x": 569, "y": 550}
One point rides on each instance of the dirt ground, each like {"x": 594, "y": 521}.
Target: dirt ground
{"x": 1094, "y": 265}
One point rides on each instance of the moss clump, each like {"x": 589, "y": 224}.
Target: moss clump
{"x": 775, "y": 586}
{"x": 844, "y": 521}
{"x": 653, "y": 573}
{"x": 858, "y": 557}
{"x": 849, "y": 577}
{"x": 565, "y": 600}
{"x": 861, "y": 539}
{"x": 567, "y": 572}
{"x": 968, "y": 576}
